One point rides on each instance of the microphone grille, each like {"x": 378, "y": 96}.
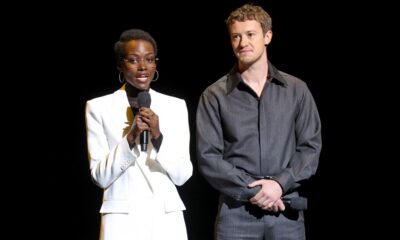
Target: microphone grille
{"x": 144, "y": 99}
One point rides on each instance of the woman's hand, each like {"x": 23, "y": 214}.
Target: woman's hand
{"x": 150, "y": 120}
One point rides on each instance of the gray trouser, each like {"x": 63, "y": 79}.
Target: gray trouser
{"x": 244, "y": 221}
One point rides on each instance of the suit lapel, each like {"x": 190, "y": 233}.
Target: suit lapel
{"x": 121, "y": 112}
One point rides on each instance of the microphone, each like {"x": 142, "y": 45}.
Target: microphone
{"x": 295, "y": 203}
{"x": 144, "y": 100}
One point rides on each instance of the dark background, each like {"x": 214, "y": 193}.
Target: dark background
{"x": 62, "y": 56}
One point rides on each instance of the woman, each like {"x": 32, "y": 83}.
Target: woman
{"x": 140, "y": 197}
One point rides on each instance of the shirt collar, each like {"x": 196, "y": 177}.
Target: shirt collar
{"x": 234, "y": 77}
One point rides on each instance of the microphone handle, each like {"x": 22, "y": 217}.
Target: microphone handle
{"x": 296, "y": 203}
{"x": 144, "y": 139}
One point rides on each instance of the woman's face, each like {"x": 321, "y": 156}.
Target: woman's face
{"x": 139, "y": 64}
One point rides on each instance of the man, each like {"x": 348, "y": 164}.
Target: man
{"x": 258, "y": 138}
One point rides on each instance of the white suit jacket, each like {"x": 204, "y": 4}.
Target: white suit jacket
{"x": 131, "y": 175}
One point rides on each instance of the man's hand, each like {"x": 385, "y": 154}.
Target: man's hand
{"x": 269, "y": 196}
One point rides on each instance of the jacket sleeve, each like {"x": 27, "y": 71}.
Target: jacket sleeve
{"x": 174, "y": 153}
{"x": 106, "y": 164}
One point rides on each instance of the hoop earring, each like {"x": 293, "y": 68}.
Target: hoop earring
{"x": 119, "y": 77}
{"x": 155, "y": 79}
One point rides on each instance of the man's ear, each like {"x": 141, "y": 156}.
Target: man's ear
{"x": 267, "y": 37}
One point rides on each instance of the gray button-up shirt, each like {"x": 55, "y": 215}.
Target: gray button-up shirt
{"x": 242, "y": 137}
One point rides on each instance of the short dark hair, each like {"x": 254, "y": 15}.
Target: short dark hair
{"x": 132, "y": 34}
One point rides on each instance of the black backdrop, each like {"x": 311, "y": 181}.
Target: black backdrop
{"x": 67, "y": 58}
